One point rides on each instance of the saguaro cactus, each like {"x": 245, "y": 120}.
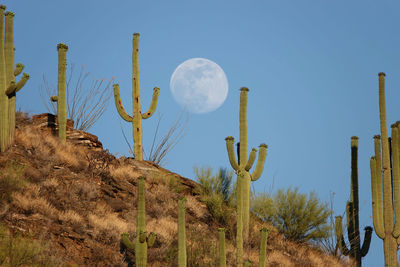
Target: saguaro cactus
{"x": 61, "y": 98}
{"x": 222, "y": 251}
{"x": 181, "y": 233}
{"x": 8, "y": 85}
{"x": 263, "y": 247}
{"x": 381, "y": 184}
{"x": 352, "y": 209}
{"x": 137, "y": 116}
{"x": 245, "y": 163}
{"x": 142, "y": 240}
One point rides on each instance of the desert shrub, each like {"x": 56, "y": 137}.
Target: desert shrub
{"x": 16, "y": 250}
{"x": 216, "y": 192}
{"x": 299, "y": 217}
{"x": 11, "y": 180}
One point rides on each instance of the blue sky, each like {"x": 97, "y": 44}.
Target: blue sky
{"x": 311, "y": 67}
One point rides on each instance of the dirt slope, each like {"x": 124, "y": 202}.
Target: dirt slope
{"x": 78, "y": 199}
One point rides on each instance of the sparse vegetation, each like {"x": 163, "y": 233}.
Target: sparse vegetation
{"x": 86, "y": 101}
{"x": 217, "y": 192}
{"x": 299, "y": 217}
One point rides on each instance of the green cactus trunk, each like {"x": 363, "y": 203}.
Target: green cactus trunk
{"x": 4, "y": 124}
{"x": 61, "y": 98}
{"x": 352, "y": 209}
{"x": 239, "y": 218}
{"x": 142, "y": 240}
{"x": 141, "y": 245}
{"x": 8, "y": 84}
{"x": 181, "y": 233}
{"x": 263, "y": 247}
{"x": 222, "y": 250}
{"x": 137, "y": 116}
{"x": 245, "y": 161}
{"x": 381, "y": 184}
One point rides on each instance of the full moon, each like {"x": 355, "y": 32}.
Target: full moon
{"x": 199, "y": 85}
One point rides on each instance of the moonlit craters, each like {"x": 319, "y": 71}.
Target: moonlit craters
{"x": 199, "y": 85}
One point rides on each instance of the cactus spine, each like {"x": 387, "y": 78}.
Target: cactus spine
{"x": 61, "y": 98}
{"x": 9, "y": 86}
{"x": 263, "y": 247}
{"x": 352, "y": 210}
{"x": 222, "y": 251}
{"x": 244, "y": 164}
{"x": 137, "y": 116}
{"x": 181, "y": 232}
{"x": 142, "y": 241}
{"x": 381, "y": 184}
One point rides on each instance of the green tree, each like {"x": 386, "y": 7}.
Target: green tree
{"x": 299, "y": 217}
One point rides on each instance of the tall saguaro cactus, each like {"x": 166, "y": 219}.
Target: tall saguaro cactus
{"x": 61, "y": 98}
{"x": 182, "y": 259}
{"x": 8, "y": 85}
{"x": 243, "y": 166}
{"x": 384, "y": 188}
{"x": 142, "y": 240}
{"x": 137, "y": 116}
{"x": 352, "y": 210}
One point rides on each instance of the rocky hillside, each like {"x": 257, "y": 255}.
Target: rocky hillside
{"x": 73, "y": 201}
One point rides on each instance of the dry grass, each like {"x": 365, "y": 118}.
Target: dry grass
{"x": 106, "y": 224}
{"x": 70, "y": 216}
{"x": 165, "y": 226}
{"x": 123, "y": 172}
{"x": 30, "y": 205}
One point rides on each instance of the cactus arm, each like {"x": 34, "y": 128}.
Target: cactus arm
{"x": 396, "y": 180}
{"x": 181, "y": 233}
{"x": 262, "y": 155}
{"x": 263, "y": 247}
{"x": 119, "y": 106}
{"x": 22, "y": 82}
{"x": 18, "y": 69}
{"x": 222, "y": 251}
{"x": 142, "y": 236}
{"x": 153, "y": 105}
{"x": 248, "y": 263}
{"x": 350, "y": 227}
{"x": 243, "y": 126}
{"x": 151, "y": 239}
{"x": 376, "y": 189}
{"x": 251, "y": 160}
{"x": 231, "y": 152}
{"x": 127, "y": 242}
{"x": 15, "y": 87}
{"x": 367, "y": 241}
{"x": 339, "y": 236}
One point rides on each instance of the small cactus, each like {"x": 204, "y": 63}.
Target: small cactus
{"x": 142, "y": 240}
{"x": 137, "y": 116}
{"x": 263, "y": 247}
{"x": 61, "y": 98}
{"x": 182, "y": 261}
{"x": 222, "y": 250}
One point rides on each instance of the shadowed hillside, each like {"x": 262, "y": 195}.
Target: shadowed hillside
{"x": 76, "y": 199}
